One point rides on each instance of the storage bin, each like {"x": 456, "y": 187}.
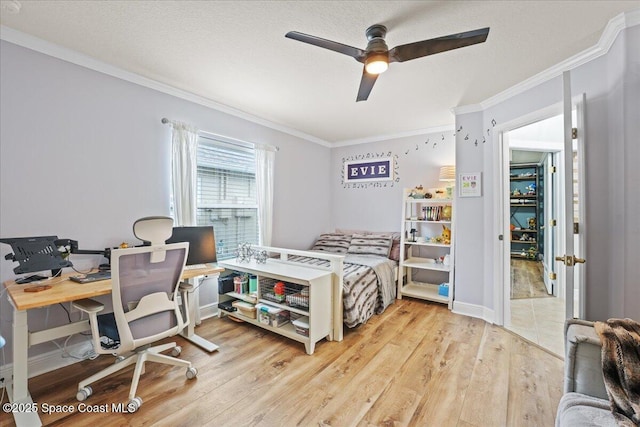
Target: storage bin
{"x": 443, "y": 289}
{"x": 241, "y": 284}
{"x": 277, "y": 290}
{"x": 272, "y": 316}
{"x": 225, "y": 284}
{"x": 302, "y": 325}
{"x": 246, "y": 309}
{"x": 298, "y": 300}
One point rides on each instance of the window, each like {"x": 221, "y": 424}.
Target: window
{"x": 226, "y": 193}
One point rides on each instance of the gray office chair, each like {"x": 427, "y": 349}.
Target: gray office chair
{"x": 146, "y": 282}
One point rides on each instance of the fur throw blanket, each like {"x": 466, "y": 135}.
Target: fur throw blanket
{"x": 621, "y": 368}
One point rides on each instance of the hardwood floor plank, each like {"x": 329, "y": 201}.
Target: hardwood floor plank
{"x": 398, "y": 402}
{"x": 489, "y": 378}
{"x": 529, "y": 400}
{"x": 416, "y": 364}
{"x": 441, "y": 403}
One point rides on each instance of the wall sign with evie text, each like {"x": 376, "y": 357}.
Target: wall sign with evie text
{"x": 470, "y": 184}
{"x": 369, "y": 170}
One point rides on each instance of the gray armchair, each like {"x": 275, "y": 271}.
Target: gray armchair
{"x": 585, "y": 402}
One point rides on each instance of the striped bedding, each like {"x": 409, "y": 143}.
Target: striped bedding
{"x": 368, "y": 285}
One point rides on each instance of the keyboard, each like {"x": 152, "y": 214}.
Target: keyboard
{"x": 195, "y": 266}
{"x": 91, "y": 277}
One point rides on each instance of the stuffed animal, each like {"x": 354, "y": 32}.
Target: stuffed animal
{"x": 446, "y": 235}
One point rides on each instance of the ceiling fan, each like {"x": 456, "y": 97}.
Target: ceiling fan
{"x": 377, "y": 56}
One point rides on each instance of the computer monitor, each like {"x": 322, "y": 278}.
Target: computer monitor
{"x": 202, "y": 243}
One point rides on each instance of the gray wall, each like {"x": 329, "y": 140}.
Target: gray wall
{"x": 612, "y": 87}
{"x": 83, "y": 155}
{"x": 380, "y": 208}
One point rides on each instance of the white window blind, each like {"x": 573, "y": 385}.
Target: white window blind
{"x": 226, "y": 194}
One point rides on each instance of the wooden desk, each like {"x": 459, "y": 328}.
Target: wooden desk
{"x": 65, "y": 290}
{"x": 62, "y": 290}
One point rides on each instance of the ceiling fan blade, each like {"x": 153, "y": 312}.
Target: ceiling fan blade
{"x": 366, "y": 84}
{"x": 351, "y": 51}
{"x": 419, "y": 49}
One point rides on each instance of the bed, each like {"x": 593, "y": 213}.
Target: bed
{"x": 364, "y": 273}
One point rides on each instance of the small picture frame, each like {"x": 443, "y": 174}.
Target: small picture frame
{"x": 470, "y": 184}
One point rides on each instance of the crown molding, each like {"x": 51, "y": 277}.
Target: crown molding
{"x": 51, "y": 49}
{"x": 466, "y": 109}
{"x": 610, "y": 33}
{"x": 608, "y": 37}
{"x": 387, "y": 137}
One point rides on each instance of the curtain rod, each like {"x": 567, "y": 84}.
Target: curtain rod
{"x": 226, "y": 139}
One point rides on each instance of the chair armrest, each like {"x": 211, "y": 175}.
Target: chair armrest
{"x": 88, "y": 305}
{"x": 186, "y": 287}
{"x": 583, "y": 362}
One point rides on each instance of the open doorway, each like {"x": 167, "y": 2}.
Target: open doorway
{"x": 527, "y": 133}
{"x": 535, "y": 307}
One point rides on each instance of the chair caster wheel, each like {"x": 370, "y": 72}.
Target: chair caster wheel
{"x": 84, "y": 393}
{"x": 176, "y": 351}
{"x": 134, "y": 404}
{"x": 191, "y": 373}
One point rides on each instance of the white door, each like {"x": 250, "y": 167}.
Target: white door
{"x": 549, "y": 227}
{"x": 568, "y": 261}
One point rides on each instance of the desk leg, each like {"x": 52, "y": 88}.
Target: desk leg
{"x": 18, "y": 389}
{"x": 189, "y": 332}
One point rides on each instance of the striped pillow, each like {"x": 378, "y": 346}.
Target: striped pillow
{"x": 370, "y": 244}
{"x": 332, "y": 242}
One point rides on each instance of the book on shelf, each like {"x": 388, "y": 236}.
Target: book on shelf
{"x": 432, "y": 213}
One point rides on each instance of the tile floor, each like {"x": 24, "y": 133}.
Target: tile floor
{"x": 541, "y": 321}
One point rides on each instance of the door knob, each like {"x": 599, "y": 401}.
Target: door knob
{"x": 570, "y": 260}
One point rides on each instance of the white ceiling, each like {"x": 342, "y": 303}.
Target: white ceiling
{"x": 235, "y": 53}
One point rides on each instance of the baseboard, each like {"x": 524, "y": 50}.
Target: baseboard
{"x": 473, "y": 310}
{"x": 208, "y": 311}
{"x": 47, "y": 362}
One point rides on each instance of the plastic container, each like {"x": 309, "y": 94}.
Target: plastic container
{"x": 272, "y": 316}
{"x": 443, "y": 289}
{"x": 241, "y": 284}
{"x": 246, "y": 309}
{"x": 302, "y": 325}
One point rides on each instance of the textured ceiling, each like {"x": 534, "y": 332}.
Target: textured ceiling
{"x": 235, "y": 53}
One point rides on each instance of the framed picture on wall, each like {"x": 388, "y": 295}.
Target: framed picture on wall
{"x": 470, "y": 184}
{"x": 368, "y": 170}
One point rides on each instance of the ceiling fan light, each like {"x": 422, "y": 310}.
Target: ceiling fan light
{"x": 376, "y": 64}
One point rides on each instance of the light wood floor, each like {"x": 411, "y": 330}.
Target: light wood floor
{"x": 416, "y": 365}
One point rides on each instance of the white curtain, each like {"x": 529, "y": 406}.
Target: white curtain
{"x": 265, "y": 159}
{"x": 184, "y": 173}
